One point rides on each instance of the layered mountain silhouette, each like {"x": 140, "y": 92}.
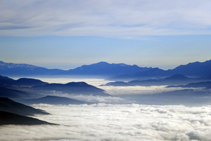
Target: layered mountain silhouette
{"x": 172, "y": 80}
{"x": 106, "y": 69}
{"x": 29, "y": 82}
{"x": 196, "y": 69}
{"x": 28, "y": 88}
{"x": 13, "y": 94}
{"x": 116, "y": 71}
{"x": 206, "y": 84}
{"x": 9, "y": 82}
{"x": 189, "y": 97}
{"x": 54, "y": 100}
{"x": 97, "y": 69}
{"x": 72, "y": 88}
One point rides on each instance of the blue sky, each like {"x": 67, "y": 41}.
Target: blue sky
{"x": 69, "y": 33}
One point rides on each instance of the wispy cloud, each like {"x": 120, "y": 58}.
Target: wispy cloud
{"x": 119, "y": 18}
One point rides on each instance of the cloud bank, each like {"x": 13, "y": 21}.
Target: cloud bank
{"x": 109, "y": 18}
{"x": 108, "y": 122}
{"x": 137, "y": 90}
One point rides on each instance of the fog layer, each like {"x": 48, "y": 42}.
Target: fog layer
{"x": 109, "y": 122}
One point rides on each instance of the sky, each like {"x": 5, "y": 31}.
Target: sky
{"x": 69, "y": 33}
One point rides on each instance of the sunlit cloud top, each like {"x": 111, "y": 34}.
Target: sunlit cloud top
{"x": 110, "y": 18}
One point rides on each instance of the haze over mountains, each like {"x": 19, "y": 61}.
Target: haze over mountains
{"x": 171, "y": 80}
{"x": 193, "y": 81}
{"x": 115, "y": 71}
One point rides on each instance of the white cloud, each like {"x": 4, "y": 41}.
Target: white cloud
{"x": 131, "y": 122}
{"x": 104, "y": 18}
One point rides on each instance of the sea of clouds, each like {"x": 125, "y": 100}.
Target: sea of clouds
{"x": 116, "y": 122}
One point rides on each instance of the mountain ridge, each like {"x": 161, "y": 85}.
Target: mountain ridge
{"x": 116, "y": 71}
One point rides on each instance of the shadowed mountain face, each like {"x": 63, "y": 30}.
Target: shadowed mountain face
{"x": 7, "y": 118}
{"x": 29, "y": 82}
{"x": 72, "y": 88}
{"x": 6, "y": 81}
{"x": 194, "y": 69}
{"x": 13, "y": 94}
{"x": 12, "y": 112}
{"x": 54, "y": 100}
{"x": 8, "y": 105}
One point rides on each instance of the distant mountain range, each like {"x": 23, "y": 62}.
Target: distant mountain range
{"x": 101, "y": 68}
{"x": 12, "y": 69}
{"x": 177, "y": 79}
{"x": 115, "y": 71}
{"x": 196, "y": 69}
{"x": 106, "y": 69}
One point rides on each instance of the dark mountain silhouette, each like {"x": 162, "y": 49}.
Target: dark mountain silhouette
{"x": 11, "y": 106}
{"x": 153, "y": 72}
{"x": 29, "y": 82}
{"x": 8, "y": 82}
{"x": 7, "y": 118}
{"x": 54, "y": 100}
{"x": 197, "y": 69}
{"x": 116, "y": 71}
{"x": 12, "y": 69}
{"x": 172, "y": 80}
{"x": 187, "y": 97}
{"x": 206, "y": 84}
{"x": 12, "y": 93}
{"x": 104, "y": 68}
{"x": 97, "y": 69}
{"x": 72, "y": 88}
{"x": 5, "y": 81}
{"x": 194, "y": 69}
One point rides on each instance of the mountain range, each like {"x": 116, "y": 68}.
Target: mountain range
{"x": 31, "y": 91}
{"x": 115, "y": 71}
{"x": 71, "y": 88}
{"x": 177, "y": 79}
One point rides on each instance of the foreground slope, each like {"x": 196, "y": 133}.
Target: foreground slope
{"x": 7, "y": 118}
{"x": 11, "y": 106}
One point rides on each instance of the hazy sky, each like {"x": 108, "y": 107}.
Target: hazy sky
{"x": 68, "y": 33}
